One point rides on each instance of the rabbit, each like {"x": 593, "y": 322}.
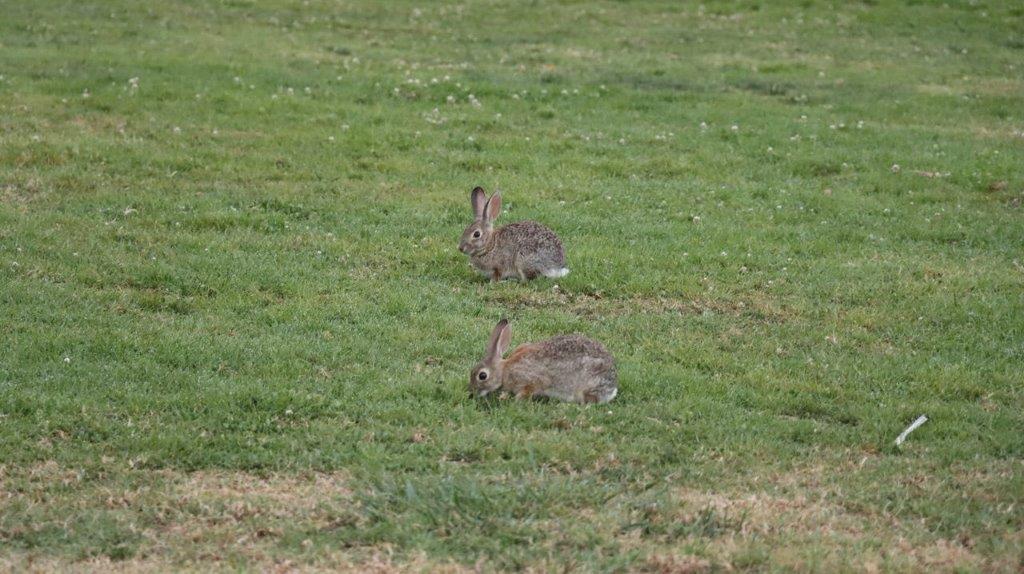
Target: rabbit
{"x": 569, "y": 368}
{"x": 521, "y": 250}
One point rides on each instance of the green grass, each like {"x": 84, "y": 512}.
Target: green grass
{"x": 237, "y": 331}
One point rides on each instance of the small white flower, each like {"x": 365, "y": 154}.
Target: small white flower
{"x": 67, "y": 359}
{"x": 176, "y": 130}
{"x": 330, "y": 138}
{"x": 703, "y": 125}
{"x": 450, "y": 99}
{"x": 735, "y": 128}
{"x": 895, "y": 168}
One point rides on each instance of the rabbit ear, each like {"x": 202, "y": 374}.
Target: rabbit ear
{"x": 500, "y": 337}
{"x": 479, "y": 200}
{"x": 493, "y": 207}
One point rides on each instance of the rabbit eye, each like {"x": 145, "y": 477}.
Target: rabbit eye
{"x": 476, "y": 234}
{"x": 482, "y": 376}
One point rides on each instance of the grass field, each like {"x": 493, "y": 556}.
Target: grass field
{"x": 237, "y": 331}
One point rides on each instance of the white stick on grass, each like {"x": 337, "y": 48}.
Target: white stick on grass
{"x": 913, "y": 426}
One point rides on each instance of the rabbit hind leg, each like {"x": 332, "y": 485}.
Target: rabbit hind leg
{"x": 526, "y": 269}
{"x": 521, "y": 270}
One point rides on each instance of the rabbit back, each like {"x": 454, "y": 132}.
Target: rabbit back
{"x": 570, "y": 368}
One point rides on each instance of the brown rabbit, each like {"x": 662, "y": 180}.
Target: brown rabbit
{"x": 569, "y": 368}
{"x": 522, "y": 250}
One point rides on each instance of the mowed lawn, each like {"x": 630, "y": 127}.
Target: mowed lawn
{"x": 237, "y": 333}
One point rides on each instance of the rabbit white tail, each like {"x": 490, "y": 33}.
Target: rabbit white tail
{"x": 556, "y": 273}
{"x": 614, "y": 393}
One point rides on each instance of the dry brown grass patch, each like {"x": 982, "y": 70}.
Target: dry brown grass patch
{"x": 758, "y": 308}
